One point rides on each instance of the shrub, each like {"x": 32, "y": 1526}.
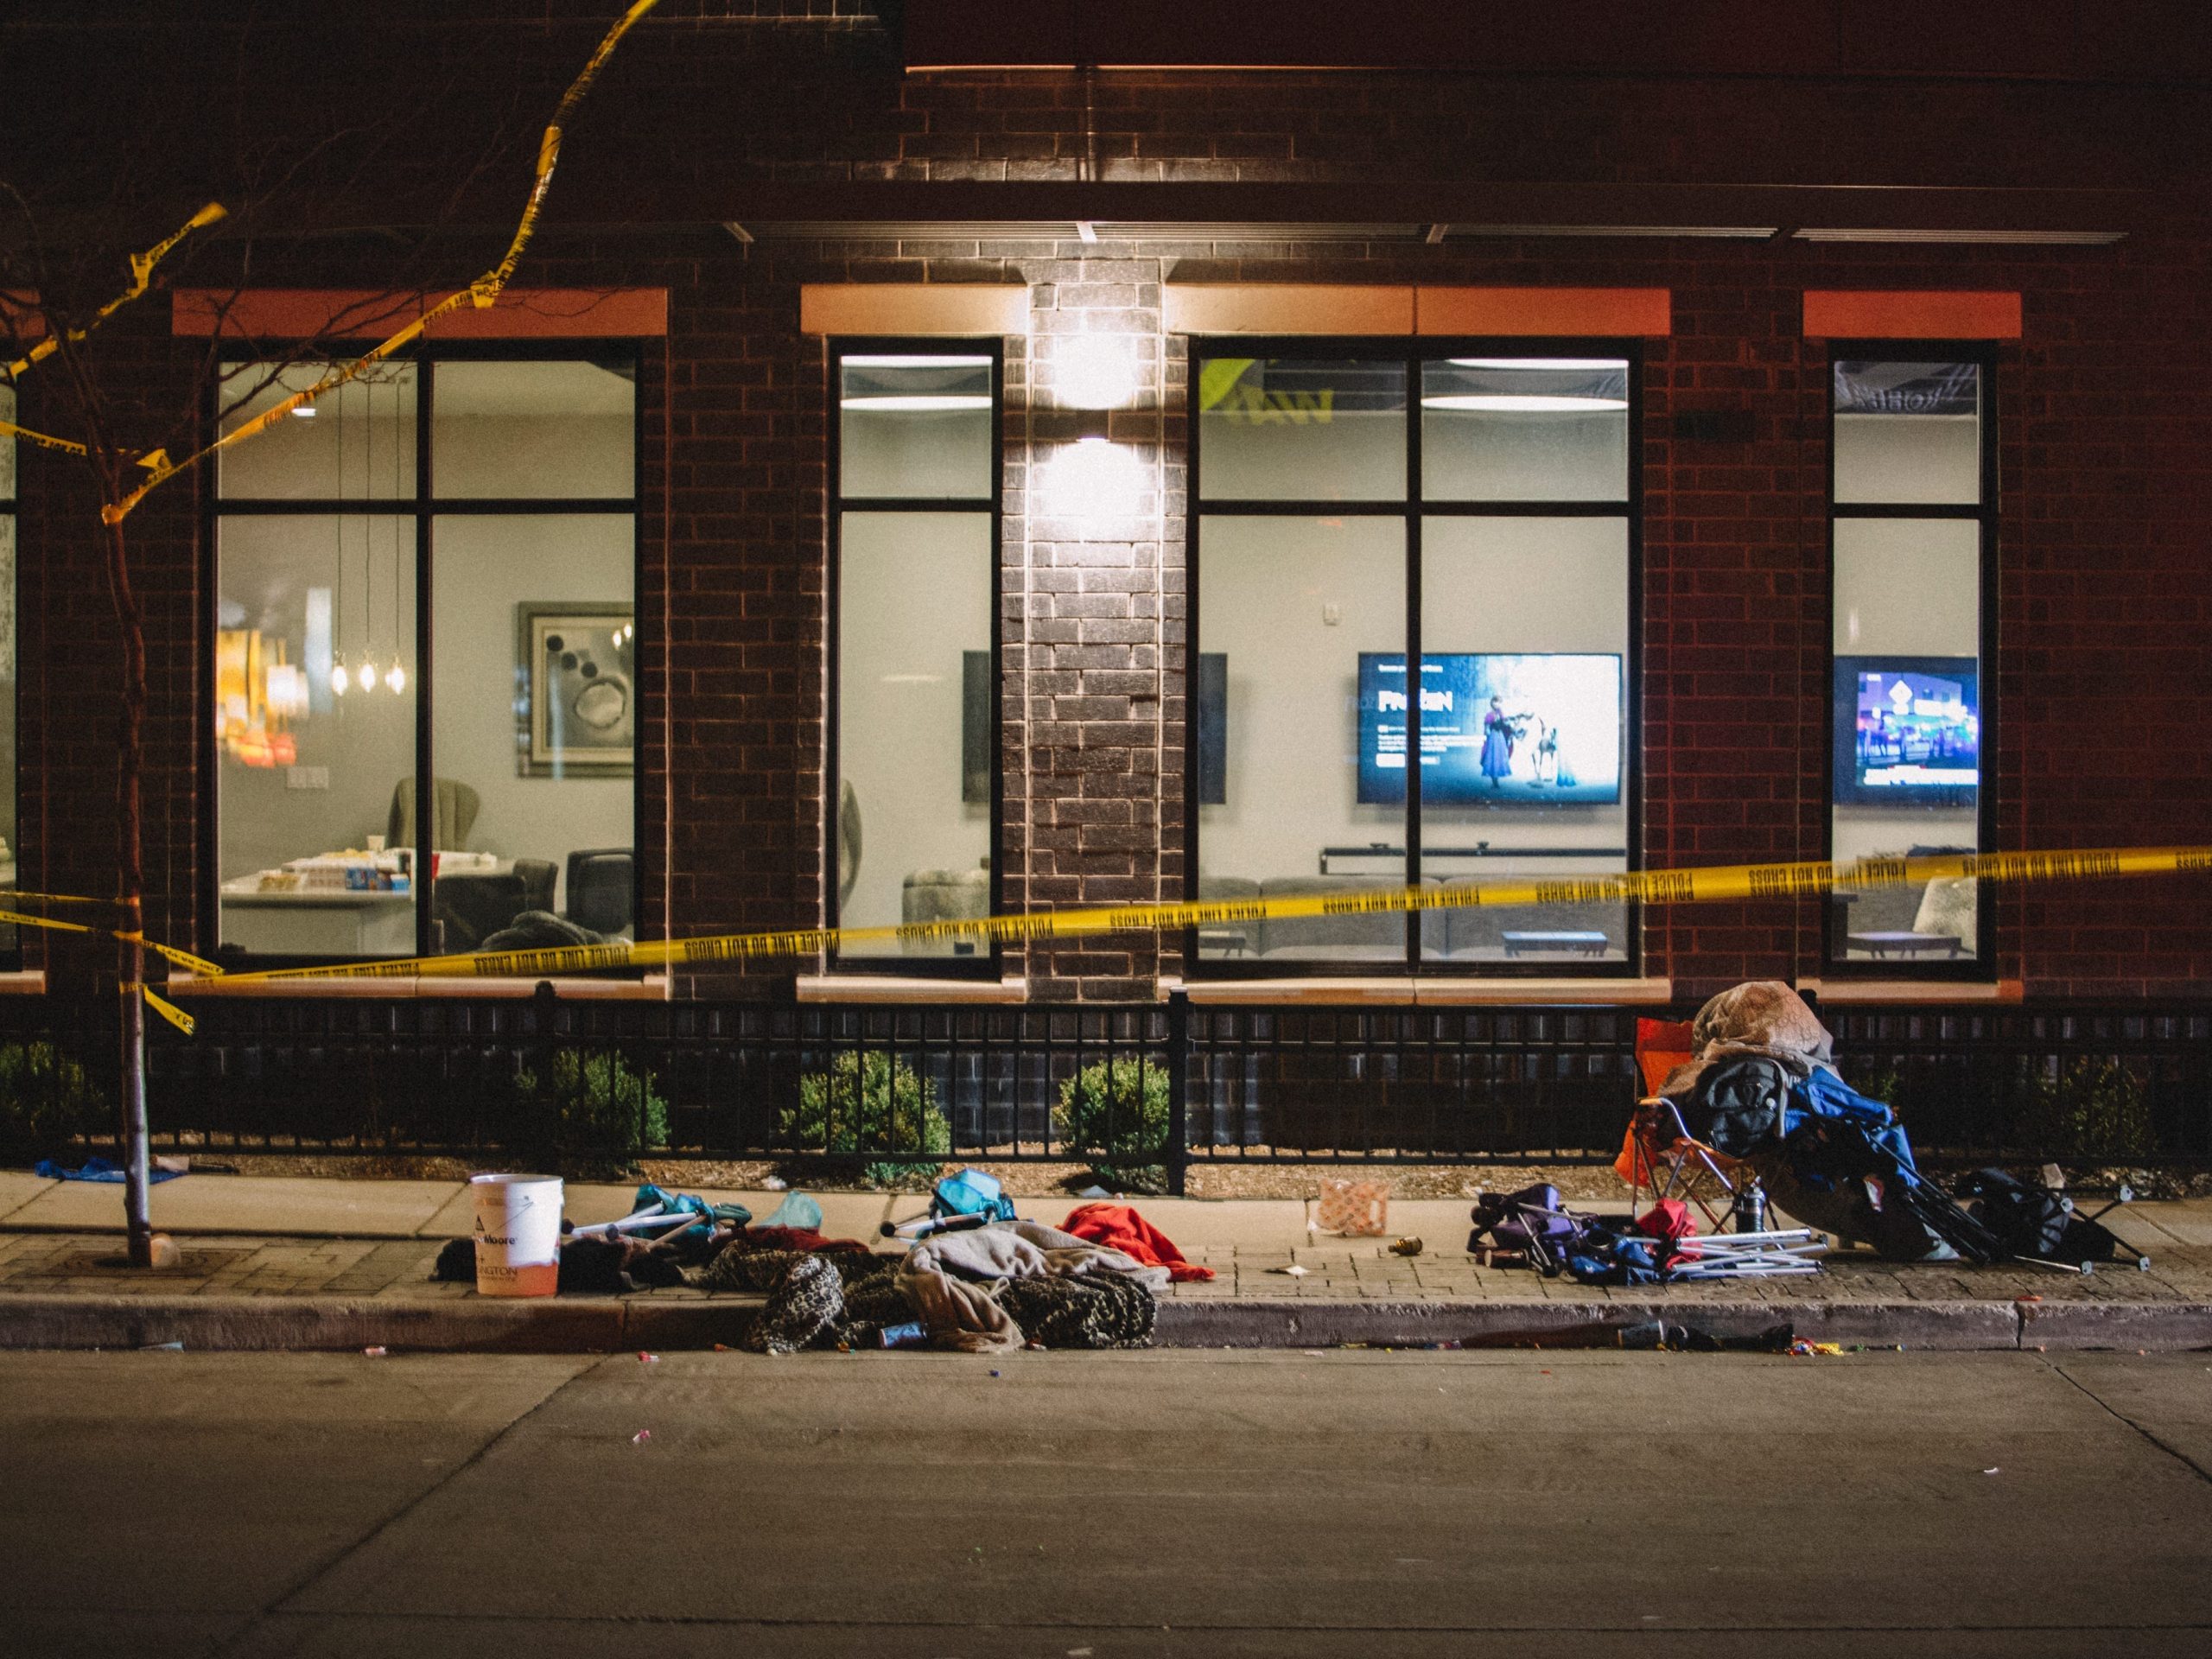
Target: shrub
{"x": 1113, "y": 1113}
{"x": 867, "y": 1103}
{"x": 589, "y": 1107}
{"x": 2091, "y": 1109}
{"x": 46, "y": 1102}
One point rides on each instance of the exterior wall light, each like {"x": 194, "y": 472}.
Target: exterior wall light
{"x": 1095, "y": 371}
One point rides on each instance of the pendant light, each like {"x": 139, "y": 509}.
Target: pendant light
{"x": 340, "y": 681}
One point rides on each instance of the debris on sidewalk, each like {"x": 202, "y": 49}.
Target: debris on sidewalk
{"x": 1406, "y": 1247}
{"x": 100, "y": 1169}
{"x": 1761, "y": 1094}
{"x": 1532, "y": 1228}
{"x": 1353, "y": 1209}
{"x": 1119, "y": 1227}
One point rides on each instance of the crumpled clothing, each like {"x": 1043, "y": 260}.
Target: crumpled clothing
{"x": 766, "y": 1238}
{"x": 1120, "y": 1227}
{"x": 953, "y": 1280}
{"x": 814, "y": 1300}
{"x": 1096, "y": 1310}
{"x": 1763, "y": 1017}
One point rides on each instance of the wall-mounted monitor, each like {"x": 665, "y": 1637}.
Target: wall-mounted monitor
{"x": 1908, "y": 731}
{"x": 1497, "y": 729}
{"x": 1209, "y": 705}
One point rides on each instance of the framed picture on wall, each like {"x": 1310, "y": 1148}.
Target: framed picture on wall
{"x": 576, "y": 690}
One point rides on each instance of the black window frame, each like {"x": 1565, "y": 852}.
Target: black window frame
{"x": 11, "y": 937}
{"x": 987, "y": 964}
{"x": 1980, "y": 967}
{"x": 1411, "y": 510}
{"x": 624, "y": 356}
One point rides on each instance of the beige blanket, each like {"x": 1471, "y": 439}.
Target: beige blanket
{"x": 951, "y": 1280}
{"x": 1761, "y": 1016}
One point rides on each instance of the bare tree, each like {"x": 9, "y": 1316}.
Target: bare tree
{"x": 57, "y": 288}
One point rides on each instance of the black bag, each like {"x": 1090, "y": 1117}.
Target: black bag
{"x": 1737, "y": 1104}
{"x": 2034, "y": 1220}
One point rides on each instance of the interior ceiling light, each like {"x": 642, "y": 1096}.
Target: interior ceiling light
{"x": 916, "y": 402}
{"x": 940, "y": 382}
{"x": 1541, "y": 363}
{"x": 1511, "y": 403}
{"x": 2017, "y": 239}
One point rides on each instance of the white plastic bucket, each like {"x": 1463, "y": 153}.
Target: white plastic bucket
{"x": 517, "y": 1233}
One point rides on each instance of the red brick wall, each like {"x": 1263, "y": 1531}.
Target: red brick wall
{"x": 2102, "y": 682}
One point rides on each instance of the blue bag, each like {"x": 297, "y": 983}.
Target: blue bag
{"x": 972, "y": 1193}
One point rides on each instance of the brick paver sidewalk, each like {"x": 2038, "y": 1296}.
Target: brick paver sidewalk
{"x": 1335, "y": 1271}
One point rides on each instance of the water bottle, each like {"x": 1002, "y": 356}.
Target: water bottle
{"x": 1748, "y": 1213}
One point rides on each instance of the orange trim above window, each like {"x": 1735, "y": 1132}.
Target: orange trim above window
{"x": 954, "y": 310}
{"x": 1288, "y": 308}
{"x": 365, "y": 314}
{"x": 1359, "y": 309}
{"x": 1534, "y": 311}
{"x": 1835, "y": 314}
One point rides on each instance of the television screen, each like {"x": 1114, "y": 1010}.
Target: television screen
{"x": 1908, "y": 730}
{"x": 1520, "y": 729}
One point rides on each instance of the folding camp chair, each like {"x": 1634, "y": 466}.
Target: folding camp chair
{"x": 1658, "y": 1150}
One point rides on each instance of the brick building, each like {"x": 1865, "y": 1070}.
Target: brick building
{"x": 1796, "y": 417}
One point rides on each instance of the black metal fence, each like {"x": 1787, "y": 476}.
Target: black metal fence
{"x": 1158, "y": 1088}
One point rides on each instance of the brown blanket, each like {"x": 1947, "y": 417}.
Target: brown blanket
{"x": 1761, "y": 1016}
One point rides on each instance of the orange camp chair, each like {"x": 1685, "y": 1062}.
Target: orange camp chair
{"x": 1658, "y": 1150}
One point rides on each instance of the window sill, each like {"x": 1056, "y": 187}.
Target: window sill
{"x": 29, "y": 981}
{"x": 1428, "y": 993}
{"x": 1843, "y": 992}
{"x": 653, "y": 989}
{"x": 864, "y": 988}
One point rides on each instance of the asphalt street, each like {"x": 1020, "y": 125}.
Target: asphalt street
{"x": 1524, "y": 1504}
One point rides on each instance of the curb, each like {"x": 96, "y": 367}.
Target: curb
{"x": 605, "y": 1324}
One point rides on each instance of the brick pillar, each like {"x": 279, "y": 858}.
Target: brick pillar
{"x": 1095, "y": 628}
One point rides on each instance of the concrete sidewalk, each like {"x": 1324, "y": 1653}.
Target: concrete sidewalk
{"x": 336, "y": 1263}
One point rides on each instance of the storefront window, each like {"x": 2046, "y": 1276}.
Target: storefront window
{"x": 1911, "y": 529}
{"x": 392, "y": 778}
{"x": 1411, "y": 661}
{"x": 915, "y": 687}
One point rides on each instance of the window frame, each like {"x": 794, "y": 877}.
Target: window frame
{"x": 989, "y": 964}
{"x": 11, "y": 937}
{"x": 1411, "y": 510}
{"x": 627, "y": 354}
{"x": 1980, "y": 967}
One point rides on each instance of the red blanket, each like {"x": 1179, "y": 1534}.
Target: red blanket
{"x": 1120, "y": 1227}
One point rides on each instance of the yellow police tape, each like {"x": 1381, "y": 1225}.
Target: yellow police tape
{"x": 1714, "y": 884}
{"x": 141, "y": 276}
{"x": 483, "y": 292}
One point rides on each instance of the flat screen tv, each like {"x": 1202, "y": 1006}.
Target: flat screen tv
{"x": 1497, "y": 729}
{"x": 1908, "y": 731}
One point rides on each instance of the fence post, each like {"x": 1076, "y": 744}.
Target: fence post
{"x": 1179, "y": 1089}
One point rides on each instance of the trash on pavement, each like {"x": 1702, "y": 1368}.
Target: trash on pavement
{"x": 1353, "y": 1209}
{"x": 1406, "y": 1247}
{"x": 373, "y": 1353}
{"x": 796, "y": 1211}
{"x": 98, "y": 1169}
{"x": 641, "y": 1437}
{"x": 1293, "y": 1270}
{"x": 1532, "y": 1226}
